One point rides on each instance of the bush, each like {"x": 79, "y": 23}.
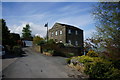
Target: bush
{"x": 113, "y": 74}
{"x": 58, "y": 53}
{"x": 69, "y": 54}
{"x": 68, "y": 60}
{"x": 37, "y": 40}
{"x": 42, "y": 42}
{"x": 97, "y": 69}
{"x": 92, "y": 53}
{"x": 60, "y": 45}
{"x": 51, "y": 41}
{"x": 116, "y": 64}
{"x": 51, "y": 52}
{"x": 101, "y": 68}
{"x": 84, "y": 59}
{"x": 17, "y": 50}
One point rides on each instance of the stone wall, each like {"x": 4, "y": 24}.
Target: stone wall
{"x": 65, "y": 50}
{"x": 37, "y": 48}
{"x": 75, "y": 50}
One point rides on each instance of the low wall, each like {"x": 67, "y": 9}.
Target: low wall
{"x": 37, "y": 48}
{"x": 75, "y": 50}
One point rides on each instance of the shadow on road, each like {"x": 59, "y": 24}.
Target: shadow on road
{"x": 10, "y": 55}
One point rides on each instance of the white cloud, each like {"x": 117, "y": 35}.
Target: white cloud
{"x": 82, "y": 20}
{"x": 37, "y": 29}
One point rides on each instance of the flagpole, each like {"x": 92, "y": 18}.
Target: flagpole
{"x": 46, "y": 25}
{"x": 47, "y": 32}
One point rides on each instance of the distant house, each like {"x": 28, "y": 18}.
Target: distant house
{"x": 63, "y": 33}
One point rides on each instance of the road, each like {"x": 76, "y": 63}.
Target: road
{"x": 36, "y": 65}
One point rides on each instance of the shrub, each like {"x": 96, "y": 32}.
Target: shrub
{"x": 51, "y": 41}
{"x": 113, "y": 74}
{"x": 98, "y": 68}
{"x": 69, "y": 54}
{"x": 37, "y": 40}
{"x": 84, "y": 59}
{"x": 17, "y": 50}
{"x": 68, "y": 60}
{"x": 92, "y": 53}
{"x": 116, "y": 64}
{"x": 58, "y": 53}
{"x": 60, "y": 45}
{"x": 51, "y": 52}
{"x": 42, "y": 42}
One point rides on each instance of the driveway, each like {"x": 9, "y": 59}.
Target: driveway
{"x": 36, "y": 65}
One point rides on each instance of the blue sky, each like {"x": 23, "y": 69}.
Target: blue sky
{"x": 18, "y": 14}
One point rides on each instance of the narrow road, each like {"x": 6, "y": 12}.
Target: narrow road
{"x": 36, "y": 65}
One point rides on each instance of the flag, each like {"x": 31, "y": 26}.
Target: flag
{"x": 46, "y": 25}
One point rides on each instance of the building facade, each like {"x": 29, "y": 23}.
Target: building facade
{"x": 63, "y": 33}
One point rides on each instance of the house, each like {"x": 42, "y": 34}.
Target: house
{"x": 63, "y": 33}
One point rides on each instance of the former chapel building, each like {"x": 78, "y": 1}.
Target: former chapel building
{"x": 63, "y": 33}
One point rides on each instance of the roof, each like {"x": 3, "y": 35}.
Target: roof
{"x": 67, "y": 25}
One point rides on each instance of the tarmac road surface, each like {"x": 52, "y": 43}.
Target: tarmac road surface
{"x": 37, "y": 65}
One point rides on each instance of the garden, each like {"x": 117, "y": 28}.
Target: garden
{"x": 96, "y": 67}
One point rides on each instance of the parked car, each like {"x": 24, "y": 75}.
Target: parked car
{"x": 2, "y": 50}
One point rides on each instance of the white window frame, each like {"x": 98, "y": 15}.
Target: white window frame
{"x": 69, "y": 41}
{"x": 61, "y": 41}
{"x": 76, "y": 43}
{"x": 76, "y": 32}
{"x": 61, "y": 31}
{"x": 56, "y": 33}
{"x": 69, "y": 31}
{"x": 52, "y": 33}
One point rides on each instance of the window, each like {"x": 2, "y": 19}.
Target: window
{"x": 52, "y": 33}
{"x": 69, "y": 41}
{"x": 56, "y": 33}
{"x": 76, "y": 43}
{"x": 60, "y": 32}
{"x": 76, "y": 32}
{"x": 60, "y": 41}
{"x": 69, "y": 31}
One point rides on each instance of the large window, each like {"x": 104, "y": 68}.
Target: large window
{"x": 76, "y": 32}
{"x": 69, "y": 31}
{"x": 61, "y": 32}
{"x": 69, "y": 41}
{"x": 52, "y": 33}
{"x": 76, "y": 43}
{"x": 56, "y": 33}
{"x": 60, "y": 41}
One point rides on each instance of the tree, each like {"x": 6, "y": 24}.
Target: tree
{"x": 26, "y": 32}
{"x": 14, "y": 38}
{"x": 5, "y": 32}
{"x": 107, "y": 16}
{"x": 37, "y": 40}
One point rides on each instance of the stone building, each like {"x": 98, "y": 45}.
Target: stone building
{"x": 63, "y": 33}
